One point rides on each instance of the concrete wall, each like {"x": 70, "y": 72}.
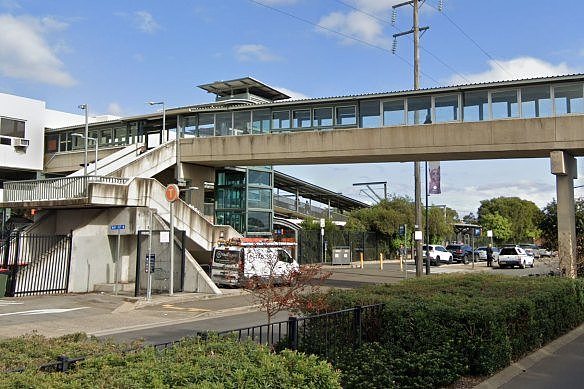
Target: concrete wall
{"x": 198, "y": 175}
{"x": 509, "y": 138}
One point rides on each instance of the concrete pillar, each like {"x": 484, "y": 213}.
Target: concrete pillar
{"x": 563, "y": 166}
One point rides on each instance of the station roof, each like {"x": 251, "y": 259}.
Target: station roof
{"x": 314, "y": 192}
{"x": 241, "y": 85}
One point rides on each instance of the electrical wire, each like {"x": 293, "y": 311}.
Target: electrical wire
{"x": 421, "y": 47}
{"x": 362, "y": 41}
{"x": 471, "y": 39}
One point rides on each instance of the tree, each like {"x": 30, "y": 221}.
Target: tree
{"x": 439, "y": 227}
{"x": 500, "y": 226}
{"x": 470, "y": 219}
{"x": 523, "y": 215}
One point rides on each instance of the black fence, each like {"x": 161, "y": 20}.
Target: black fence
{"x": 326, "y": 334}
{"x": 310, "y": 245}
{"x": 36, "y": 264}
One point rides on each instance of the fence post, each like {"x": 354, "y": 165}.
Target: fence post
{"x": 358, "y": 324}
{"x": 69, "y": 255}
{"x": 293, "y": 332}
{"x": 14, "y": 271}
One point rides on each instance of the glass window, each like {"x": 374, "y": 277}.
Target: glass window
{"x": 280, "y": 120}
{"x": 568, "y": 99}
{"x": 206, "y": 125}
{"x": 419, "y": 110}
{"x": 346, "y": 116}
{"x": 255, "y": 177}
{"x": 259, "y": 221}
{"x": 259, "y": 198}
{"x": 230, "y": 178}
{"x": 52, "y": 143}
{"x": 536, "y": 102}
{"x": 223, "y": 124}
{"x": 77, "y": 141}
{"x": 65, "y": 141}
{"x": 261, "y": 121}
{"x": 190, "y": 129}
{"x": 230, "y": 198}
{"x": 105, "y": 137}
{"x": 504, "y": 104}
{"x": 301, "y": 118}
{"x": 242, "y": 122}
{"x": 369, "y": 114}
{"x": 231, "y": 218}
{"x": 11, "y": 127}
{"x": 446, "y": 108}
{"x": 476, "y": 106}
{"x": 120, "y": 135}
{"x": 394, "y": 113}
{"x": 323, "y": 117}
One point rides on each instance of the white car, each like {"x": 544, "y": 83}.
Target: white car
{"x": 481, "y": 253}
{"x": 514, "y": 256}
{"x": 438, "y": 254}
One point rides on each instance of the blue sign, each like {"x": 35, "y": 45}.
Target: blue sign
{"x": 118, "y": 227}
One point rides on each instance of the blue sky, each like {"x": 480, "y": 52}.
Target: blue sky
{"x": 115, "y": 55}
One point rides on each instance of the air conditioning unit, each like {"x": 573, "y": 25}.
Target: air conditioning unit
{"x": 20, "y": 142}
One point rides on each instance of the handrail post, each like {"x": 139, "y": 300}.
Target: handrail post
{"x": 358, "y": 324}
{"x": 293, "y": 332}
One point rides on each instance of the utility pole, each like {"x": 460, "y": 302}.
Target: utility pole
{"x": 417, "y": 178}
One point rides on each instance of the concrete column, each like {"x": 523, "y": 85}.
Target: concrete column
{"x": 563, "y": 166}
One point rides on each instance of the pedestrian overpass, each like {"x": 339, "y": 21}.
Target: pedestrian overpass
{"x": 250, "y": 125}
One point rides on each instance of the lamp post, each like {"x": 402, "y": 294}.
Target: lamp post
{"x": 86, "y": 109}
{"x": 88, "y": 138}
{"x": 177, "y": 175}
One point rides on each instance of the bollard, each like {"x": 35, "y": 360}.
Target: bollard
{"x": 380, "y": 261}
{"x": 361, "y": 258}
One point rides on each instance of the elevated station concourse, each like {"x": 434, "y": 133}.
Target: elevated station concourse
{"x": 227, "y": 149}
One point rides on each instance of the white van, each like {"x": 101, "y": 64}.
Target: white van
{"x": 233, "y": 265}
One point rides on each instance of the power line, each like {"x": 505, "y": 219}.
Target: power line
{"x": 471, "y": 39}
{"x": 340, "y": 34}
{"x": 395, "y": 27}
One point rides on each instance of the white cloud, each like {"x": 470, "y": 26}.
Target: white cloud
{"x": 145, "y": 22}
{"x": 293, "y": 94}
{"x": 25, "y": 53}
{"x": 517, "y": 68}
{"x": 365, "y": 25}
{"x": 115, "y": 109}
{"x": 254, "y": 52}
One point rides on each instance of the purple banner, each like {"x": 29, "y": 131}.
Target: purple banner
{"x": 434, "y": 174}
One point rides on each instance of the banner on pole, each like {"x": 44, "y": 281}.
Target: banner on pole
{"x": 434, "y": 173}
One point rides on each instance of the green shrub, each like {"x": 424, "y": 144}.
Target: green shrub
{"x": 216, "y": 363}
{"x": 468, "y": 324}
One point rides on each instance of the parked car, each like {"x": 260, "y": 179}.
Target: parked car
{"x": 530, "y": 249}
{"x": 460, "y": 252}
{"x": 514, "y": 256}
{"x": 438, "y": 254}
{"x": 545, "y": 253}
{"x": 481, "y": 253}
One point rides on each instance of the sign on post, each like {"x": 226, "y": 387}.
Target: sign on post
{"x": 150, "y": 263}
{"x": 172, "y": 193}
{"x": 118, "y": 227}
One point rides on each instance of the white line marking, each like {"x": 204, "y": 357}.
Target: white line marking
{"x": 42, "y": 311}
{"x": 7, "y": 303}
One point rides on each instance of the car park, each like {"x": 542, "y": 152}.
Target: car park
{"x": 481, "y": 253}
{"x": 460, "y": 252}
{"x": 530, "y": 249}
{"x": 438, "y": 254}
{"x": 514, "y": 256}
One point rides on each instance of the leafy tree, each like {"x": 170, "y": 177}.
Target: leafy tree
{"x": 470, "y": 219}
{"x": 549, "y": 225}
{"x": 500, "y": 226}
{"x": 384, "y": 217}
{"x": 523, "y": 215}
{"x": 439, "y": 226}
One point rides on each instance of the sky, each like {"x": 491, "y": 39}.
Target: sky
{"x": 116, "y": 55}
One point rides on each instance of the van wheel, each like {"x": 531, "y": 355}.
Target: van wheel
{"x": 451, "y": 260}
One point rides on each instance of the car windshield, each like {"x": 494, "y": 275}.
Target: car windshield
{"x": 508, "y": 251}
{"x": 440, "y": 248}
{"x": 453, "y": 247}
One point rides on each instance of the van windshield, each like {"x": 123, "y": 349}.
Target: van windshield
{"x": 227, "y": 257}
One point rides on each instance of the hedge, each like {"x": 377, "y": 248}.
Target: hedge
{"x": 439, "y": 328}
{"x": 214, "y": 363}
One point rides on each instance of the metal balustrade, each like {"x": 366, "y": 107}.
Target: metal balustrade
{"x": 62, "y": 188}
{"x": 306, "y": 209}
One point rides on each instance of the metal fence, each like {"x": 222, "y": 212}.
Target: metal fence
{"x": 306, "y": 209}
{"x": 54, "y": 188}
{"x": 310, "y": 245}
{"x": 326, "y": 334}
{"x": 36, "y": 264}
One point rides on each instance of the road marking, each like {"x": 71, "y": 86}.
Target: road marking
{"x": 170, "y": 306}
{"x": 7, "y": 303}
{"x": 42, "y": 311}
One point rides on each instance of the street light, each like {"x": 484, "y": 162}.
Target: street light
{"x": 177, "y": 144}
{"x": 86, "y": 109}
{"x": 88, "y": 138}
